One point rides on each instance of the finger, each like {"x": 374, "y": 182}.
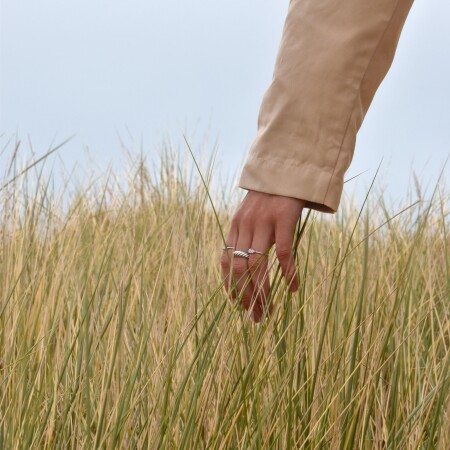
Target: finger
{"x": 284, "y": 237}
{"x": 261, "y": 287}
{"x": 227, "y": 255}
{"x": 258, "y": 268}
{"x": 242, "y": 287}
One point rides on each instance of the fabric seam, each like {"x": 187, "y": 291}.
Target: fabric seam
{"x": 291, "y": 162}
{"x": 356, "y": 97}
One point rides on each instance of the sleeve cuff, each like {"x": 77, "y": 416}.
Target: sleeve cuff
{"x": 320, "y": 189}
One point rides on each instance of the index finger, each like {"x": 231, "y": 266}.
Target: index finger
{"x": 227, "y": 256}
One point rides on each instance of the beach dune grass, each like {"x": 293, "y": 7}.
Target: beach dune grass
{"x": 115, "y": 330}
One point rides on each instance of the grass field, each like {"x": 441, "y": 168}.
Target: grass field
{"x": 115, "y": 331}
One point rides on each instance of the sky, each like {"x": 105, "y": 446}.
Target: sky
{"x": 145, "y": 71}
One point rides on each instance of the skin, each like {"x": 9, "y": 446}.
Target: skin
{"x": 260, "y": 221}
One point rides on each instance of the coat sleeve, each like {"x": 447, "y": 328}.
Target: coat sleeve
{"x": 332, "y": 57}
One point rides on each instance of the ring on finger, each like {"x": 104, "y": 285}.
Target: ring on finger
{"x": 241, "y": 254}
{"x": 252, "y": 251}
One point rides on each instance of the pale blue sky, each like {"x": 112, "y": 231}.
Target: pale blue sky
{"x": 158, "y": 68}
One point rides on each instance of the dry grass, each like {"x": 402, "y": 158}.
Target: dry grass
{"x": 115, "y": 331}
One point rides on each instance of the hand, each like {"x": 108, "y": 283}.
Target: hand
{"x": 260, "y": 221}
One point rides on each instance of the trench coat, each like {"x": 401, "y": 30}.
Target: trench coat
{"x": 332, "y": 58}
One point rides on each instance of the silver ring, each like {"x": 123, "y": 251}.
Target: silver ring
{"x": 241, "y": 254}
{"x": 227, "y": 248}
{"x": 252, "y": 251}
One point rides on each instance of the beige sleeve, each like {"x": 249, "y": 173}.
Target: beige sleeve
{"x": 332, "y": 58}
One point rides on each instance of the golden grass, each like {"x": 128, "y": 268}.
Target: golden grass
{"x": 115, "y": 331}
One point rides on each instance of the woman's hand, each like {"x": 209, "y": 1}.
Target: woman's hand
{"x": 260, "y": 221}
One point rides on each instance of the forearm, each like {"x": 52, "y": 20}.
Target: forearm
{"x": 332, "y": 58}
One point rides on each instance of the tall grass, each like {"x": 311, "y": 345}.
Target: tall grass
{"x": 115, "y": 331}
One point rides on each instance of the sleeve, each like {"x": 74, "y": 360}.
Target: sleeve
{"x": 332, "y": 57}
